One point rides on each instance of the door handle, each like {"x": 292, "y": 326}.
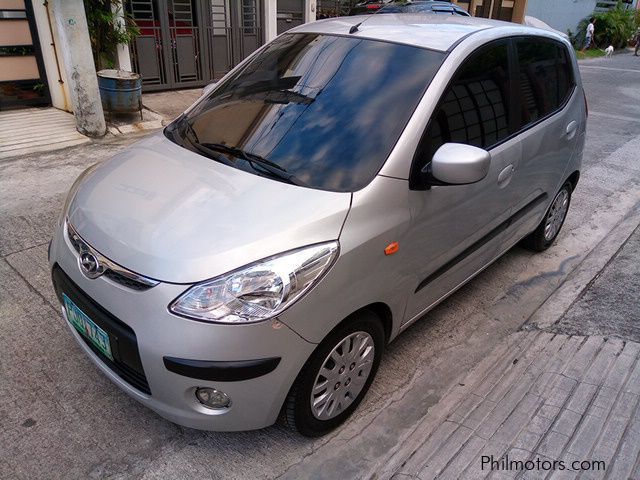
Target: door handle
{"x": 571, "y": 129}
{"x": 504, "y": 177}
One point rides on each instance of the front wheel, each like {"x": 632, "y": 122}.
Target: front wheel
{"x": 336, "y": 378}
{"x": 545, "y": 234}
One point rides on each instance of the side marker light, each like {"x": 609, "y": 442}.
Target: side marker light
{"x": 392, "y": 248}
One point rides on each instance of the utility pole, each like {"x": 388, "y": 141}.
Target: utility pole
{"x": 75, "y": 46}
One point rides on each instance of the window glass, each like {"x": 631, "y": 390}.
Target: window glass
{"x": 324, "y": 109}
{"x": 545, "y": 78}
{"x": 565, "y": 74}
{"x": 475, "y": 108}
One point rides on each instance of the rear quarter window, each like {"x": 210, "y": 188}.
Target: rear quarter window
{"x": 545, "y": 78}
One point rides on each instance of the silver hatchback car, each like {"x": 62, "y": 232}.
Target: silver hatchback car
{"x": 252, "y": 260}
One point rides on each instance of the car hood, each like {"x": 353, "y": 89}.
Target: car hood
{"x": 170, "y": 214}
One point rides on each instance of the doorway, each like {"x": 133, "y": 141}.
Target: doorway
{"x": 290, "y": 14}
{"x": 189, "y": 43}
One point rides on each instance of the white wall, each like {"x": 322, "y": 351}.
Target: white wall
{"x": 270, "y": 15}
{"x": 56, "y": 78}
{"x": 270, "y": 23}
{"x": 309, "y": 11}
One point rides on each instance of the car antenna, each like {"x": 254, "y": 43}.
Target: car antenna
{"x": 354, "y": 28}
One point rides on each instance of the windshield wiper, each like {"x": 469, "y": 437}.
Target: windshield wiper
{"x": 213, "y": 150}
{"x": 187, "y": 128}
{"x": 255, "y": 160}
{"x": 189, "y": 139}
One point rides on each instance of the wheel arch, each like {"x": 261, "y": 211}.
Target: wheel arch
{"x": 573, "y": 179}
{"x": 379, "y": 309}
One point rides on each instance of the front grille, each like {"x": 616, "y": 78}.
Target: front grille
{"x": 110, "y": 269}
{"x": 126, "y": 281}
{"x": 124, "y": 344}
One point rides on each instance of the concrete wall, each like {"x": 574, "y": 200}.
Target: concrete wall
{"x": 52, "y": 58}
{"x": 75, "y": 47}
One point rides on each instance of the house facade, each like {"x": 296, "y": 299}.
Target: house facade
{"x": 23, "y": 77}
{"x": 190, "y": 43}
{"x": 182, "y": 43}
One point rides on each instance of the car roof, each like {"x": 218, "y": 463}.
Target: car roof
{"x": 424, "y": 30}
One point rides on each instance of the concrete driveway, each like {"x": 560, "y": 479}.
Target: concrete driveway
{"x": 62, "y": 419}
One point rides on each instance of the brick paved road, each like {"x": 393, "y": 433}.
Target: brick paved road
{"x": 546, "y": 395}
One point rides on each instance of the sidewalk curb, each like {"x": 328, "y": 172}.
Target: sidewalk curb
{"x": 550, "y": 311}
{"x": 572, "y": 289}
{"x": 155, "y": 122}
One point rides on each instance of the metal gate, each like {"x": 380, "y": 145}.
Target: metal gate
{"x": 290, "y": 14}
{"x": 189, "y": 43}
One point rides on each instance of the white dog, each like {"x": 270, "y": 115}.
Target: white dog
{"x": 608, "y": 51}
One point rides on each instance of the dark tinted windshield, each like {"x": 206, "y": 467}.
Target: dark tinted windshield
{"x": 324, "y": 110}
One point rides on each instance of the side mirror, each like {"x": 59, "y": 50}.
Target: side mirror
{"x": 457, "y": 164}
{"x": 207, "y": 89}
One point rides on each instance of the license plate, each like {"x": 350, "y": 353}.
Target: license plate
{"x": 87, "y": 328}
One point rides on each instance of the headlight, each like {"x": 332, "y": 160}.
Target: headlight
{"x": 258, "y": 291}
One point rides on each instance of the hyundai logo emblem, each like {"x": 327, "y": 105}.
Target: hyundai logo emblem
{"x": 89, "y": 265}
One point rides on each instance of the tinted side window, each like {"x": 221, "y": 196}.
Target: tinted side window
{"x": 475, "y": 107}
{"x": 545, "y": 77}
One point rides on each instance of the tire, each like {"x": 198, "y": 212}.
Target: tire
{"x": 344, "y": 387}
{"x": 546, "y": 233}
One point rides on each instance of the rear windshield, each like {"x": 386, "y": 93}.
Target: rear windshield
{"x": 316, "y": 110}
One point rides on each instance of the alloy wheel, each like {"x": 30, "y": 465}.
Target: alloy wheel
{"x": 557, "y": 212}
{"x": 342, "y": 375}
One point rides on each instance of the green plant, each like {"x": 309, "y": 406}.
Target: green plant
{"x": 106, "y": 31}
{"x": 613, "y": 27}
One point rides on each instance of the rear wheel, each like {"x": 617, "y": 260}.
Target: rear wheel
{"x": 336, "y": 378}
{"x": 545, "y": 234}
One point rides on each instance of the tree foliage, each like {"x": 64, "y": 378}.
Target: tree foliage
{"x": 105, "y": 30}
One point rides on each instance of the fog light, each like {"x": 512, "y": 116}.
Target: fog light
{"x": 212, "y": 398}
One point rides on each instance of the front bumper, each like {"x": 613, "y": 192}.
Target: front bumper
{"x": 224, "y": 357}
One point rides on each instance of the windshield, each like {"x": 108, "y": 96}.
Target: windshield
{"x": 315, "y": 110}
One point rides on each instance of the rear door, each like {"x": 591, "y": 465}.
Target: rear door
{"x": 456, "y": 230}
{"x": 549, "y": 120}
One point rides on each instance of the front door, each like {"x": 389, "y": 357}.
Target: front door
{"x": 234, "y": 32}
{"x": 458, "y": 229}
{"x": 189, "y": 43}
{"x": 290, "y": 14}
{"x": 168, "y": 51}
